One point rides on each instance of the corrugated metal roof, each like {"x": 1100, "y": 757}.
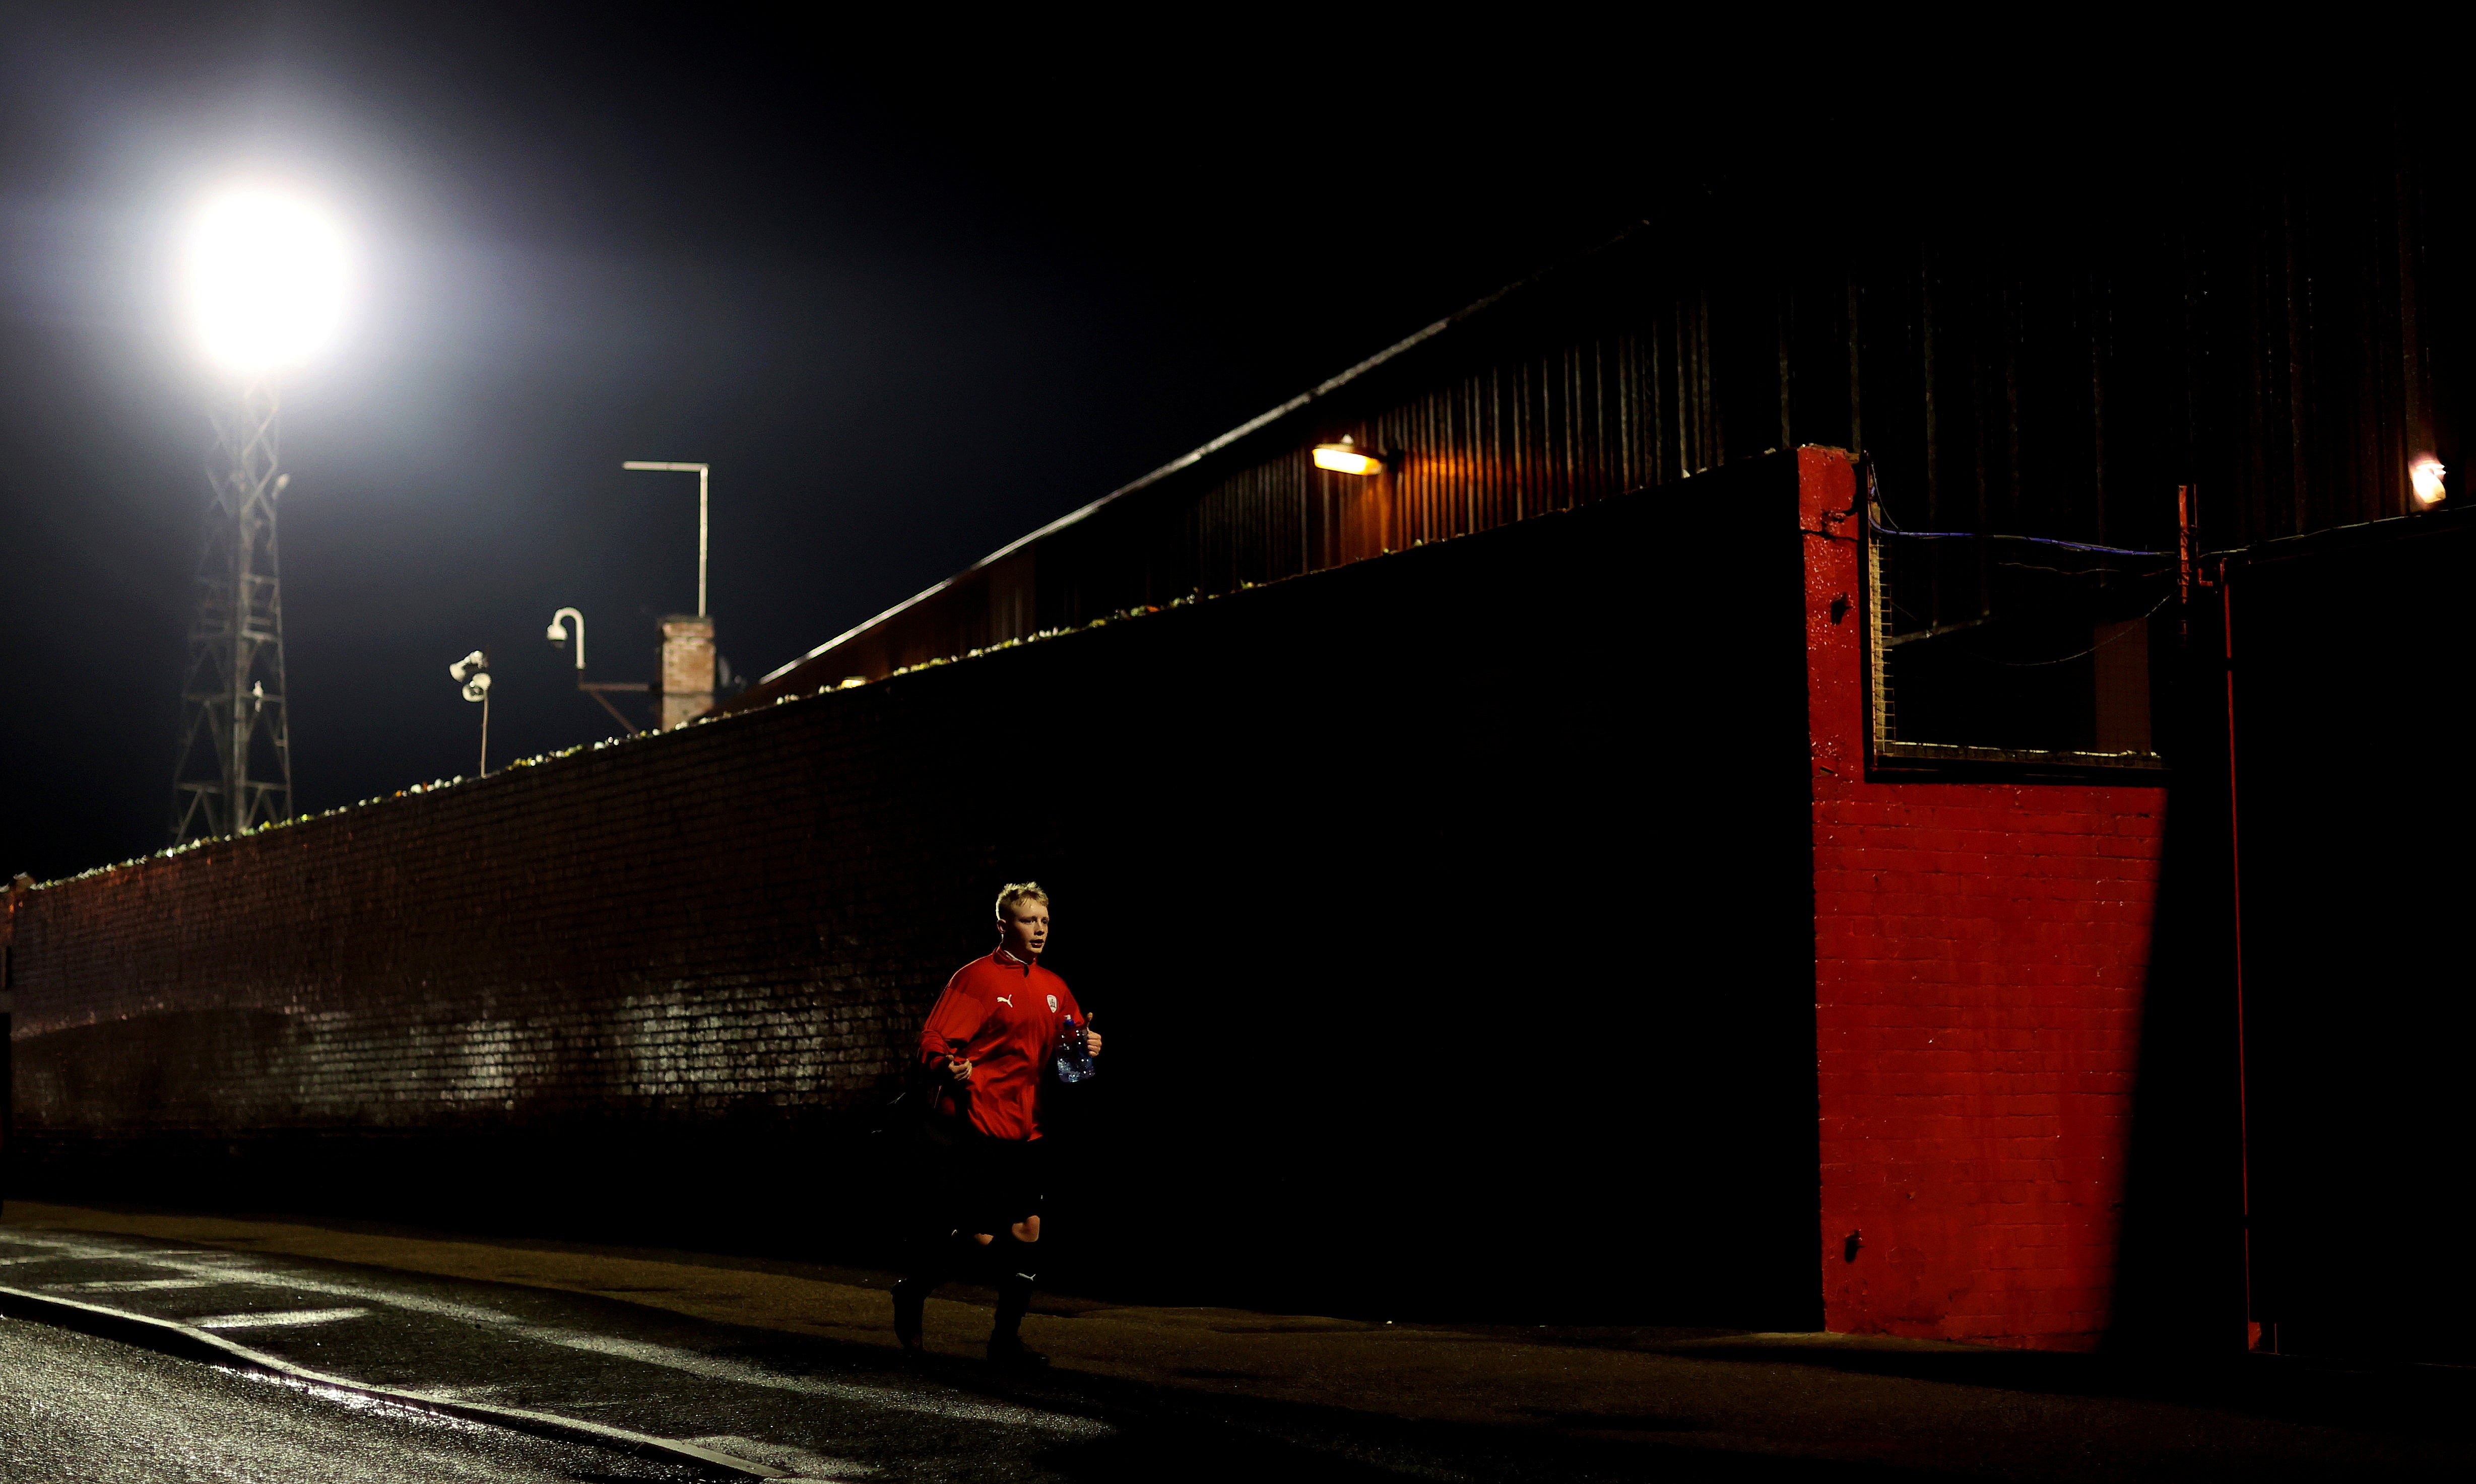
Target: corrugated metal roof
{"x": 1183, "y": 461}
{"x": 2273, "y": 339}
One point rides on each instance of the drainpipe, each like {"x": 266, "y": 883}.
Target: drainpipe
{"x": 2253, "y": 1327}
{"x": 2192, "y": 572}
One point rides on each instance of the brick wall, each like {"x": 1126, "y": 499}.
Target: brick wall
{"x": 1464, "y": 891}
{"x": 1380, "y": 881}
{"x": 1981, "y": 953}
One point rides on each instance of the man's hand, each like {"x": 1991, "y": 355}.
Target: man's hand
{"x": 959, "y": 1069}
{"x": 1090, "y": 1038}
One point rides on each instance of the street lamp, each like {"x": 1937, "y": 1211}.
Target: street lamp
{"x": 703, "y": 472}
{"x": 557, "y": 637}
{"x": 266, "y": 279}
{"x": 559, "y": 623}
{"x": 473, "y": 673}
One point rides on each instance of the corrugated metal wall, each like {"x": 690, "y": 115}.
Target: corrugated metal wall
{"x": 2275, "y": 338}
{"x": 1546, "y": 433}
{"x": 2277, "y": 350}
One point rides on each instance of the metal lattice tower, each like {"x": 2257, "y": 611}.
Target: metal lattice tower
{"x": 235, "y": 770}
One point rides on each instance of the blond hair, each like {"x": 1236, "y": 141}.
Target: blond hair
{"x": 1015, "y": 892}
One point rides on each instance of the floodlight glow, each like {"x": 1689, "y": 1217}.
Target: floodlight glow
{"x": 267, "y": 278}
{"x": 1347, "y": 457}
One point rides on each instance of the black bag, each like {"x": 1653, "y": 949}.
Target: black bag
{"x": 901, "y": 1114}
{"x": 911, "y": 1115}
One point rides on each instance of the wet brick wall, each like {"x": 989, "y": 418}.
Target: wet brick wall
{"x": 1981, "y": 954}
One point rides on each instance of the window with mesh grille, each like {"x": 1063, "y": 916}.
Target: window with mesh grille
{"x": 1986, "y": 650}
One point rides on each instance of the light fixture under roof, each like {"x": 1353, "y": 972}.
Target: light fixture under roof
{"x": 2425, "y": 481}
{"x": 1347, "y": 457}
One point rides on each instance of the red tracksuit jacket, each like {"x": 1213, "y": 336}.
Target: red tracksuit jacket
{"x": 1002, "y": 1014}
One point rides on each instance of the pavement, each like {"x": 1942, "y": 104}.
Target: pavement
{"x": 793, "y": 1366}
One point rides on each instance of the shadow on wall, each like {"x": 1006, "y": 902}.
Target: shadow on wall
{"x": 1448, "y": 914}
{"x": 2350, "y": 722}
{"x": 2179, "y": 1284}
{"x": 2349, "y": 1123}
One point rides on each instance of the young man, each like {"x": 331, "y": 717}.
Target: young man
{"x": 992, "y": 1035}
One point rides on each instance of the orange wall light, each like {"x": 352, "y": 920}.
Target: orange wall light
{"x": 1347, "y": 457}
{"x": 2424, "y": 479}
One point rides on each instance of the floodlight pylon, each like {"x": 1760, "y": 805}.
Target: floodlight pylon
{"x": 233, "y": 771}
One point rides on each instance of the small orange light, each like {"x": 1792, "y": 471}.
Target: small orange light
{"x": 1347, "y": 457}
{"x": 2424, "y": 476}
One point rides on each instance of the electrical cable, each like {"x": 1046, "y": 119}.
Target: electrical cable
{"x": 1874, "y": 502}
{"x": 2032, "y": 664}
{"x": 1880, "y": 528}
{"x": 2032, "y": 566}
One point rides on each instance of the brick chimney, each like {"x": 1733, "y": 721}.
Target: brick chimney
{"x": 687, "y": 668}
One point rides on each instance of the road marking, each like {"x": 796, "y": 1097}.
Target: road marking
{"x": 460, "y": 1392}
{"x": 690, "y": 1362}
{"x": 79, "y": 1315}
{"x": 132, "y": 1285}
{"x": 280, "y": 1318}
{"x": 802, "y": 1464}
{"x": 739, "y": 1373}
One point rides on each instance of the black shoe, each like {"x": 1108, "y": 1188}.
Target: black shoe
{"x": 909, "y": 1305}
{"x": 1010, "y": 1353}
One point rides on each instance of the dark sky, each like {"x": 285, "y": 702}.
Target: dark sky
{"x": 912, "y": 291}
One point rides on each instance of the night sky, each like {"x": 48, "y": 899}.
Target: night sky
{"x": 912, "y": 291}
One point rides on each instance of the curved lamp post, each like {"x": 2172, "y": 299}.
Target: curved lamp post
{"x": 557, "y": 636}
{"x": 473, "y": 673}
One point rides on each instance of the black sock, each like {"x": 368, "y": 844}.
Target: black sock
{"x": 1016, "y": 1276}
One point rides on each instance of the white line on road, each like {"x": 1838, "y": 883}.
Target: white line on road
{"x": 460, "y": 1392}
{"x": 279, "y": 1319}
{"x": 802, "y": 1464}
{"x": 131, "y": 1285}
{"x": 739, "y": 1373}
{"x": 220, "y": 1265}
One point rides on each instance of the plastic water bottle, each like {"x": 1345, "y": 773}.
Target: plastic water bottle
{"x": 1073, "y": 1058}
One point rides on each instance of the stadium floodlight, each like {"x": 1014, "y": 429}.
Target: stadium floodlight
{"x": 267, "y": 276}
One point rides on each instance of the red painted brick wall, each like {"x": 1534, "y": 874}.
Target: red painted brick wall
{"x": 1980, "y": 955}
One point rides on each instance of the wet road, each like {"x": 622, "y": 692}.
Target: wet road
{"x": 74, "y": 1409}
{"x": 564, "y": 1354}
{"x": 740, "y": 1366}
{"x": 813, "y": 1410}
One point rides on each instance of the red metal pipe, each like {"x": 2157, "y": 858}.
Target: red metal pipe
{"x": 2183, "y": 562}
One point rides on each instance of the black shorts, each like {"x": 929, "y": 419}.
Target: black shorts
{"x": 975, "y": 1184}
